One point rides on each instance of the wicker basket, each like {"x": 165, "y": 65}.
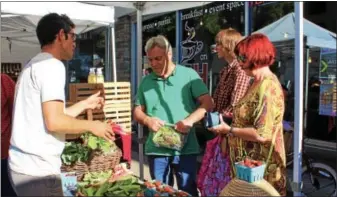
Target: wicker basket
{"x": 79, "y": 167}
{"x": 238, "y": 187}
{"x": 100, "y": 162}
{"x": 97, "y": 163}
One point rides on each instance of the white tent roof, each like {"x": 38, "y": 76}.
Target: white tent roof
{"x": 18, "y": 23}
{"x": 284, "y": 29}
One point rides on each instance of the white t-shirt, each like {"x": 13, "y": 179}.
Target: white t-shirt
{"x": 34, "y": 151}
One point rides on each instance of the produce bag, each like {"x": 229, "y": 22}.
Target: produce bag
{"x": 170, "y": 138}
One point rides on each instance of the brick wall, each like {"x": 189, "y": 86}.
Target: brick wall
{"x": 123, "y": 48}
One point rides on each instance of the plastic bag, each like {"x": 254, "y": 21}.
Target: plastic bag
{"x": 168, "y": 137}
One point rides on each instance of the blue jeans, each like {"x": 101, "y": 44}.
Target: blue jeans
{"x": 184, "y": 167}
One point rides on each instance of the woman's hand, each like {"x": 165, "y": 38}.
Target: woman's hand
{"x": 222, "y": 128}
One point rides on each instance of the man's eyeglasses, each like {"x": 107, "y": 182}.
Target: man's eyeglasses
{"x": 73, "y": 36}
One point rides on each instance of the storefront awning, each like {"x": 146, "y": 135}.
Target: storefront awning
{"x": 153, "y": 7}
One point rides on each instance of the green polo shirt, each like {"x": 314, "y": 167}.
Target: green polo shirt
{"x": 171, "y": 100}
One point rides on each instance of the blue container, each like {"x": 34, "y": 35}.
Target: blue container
{"x": 249, "y": 174}
{"x": 211, "y": 119}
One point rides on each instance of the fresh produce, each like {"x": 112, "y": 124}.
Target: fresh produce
{"x": 97, "y": 143}
{"x": 127, "y": 187}
{"x": 99, "y": 184}
{"x": 120, "y": 171}
{"x": 156, "y": 188}
{"x": 75, "y": 152}
{"x": 94, "y": 178}
{"x": 250, "y": 163}
{"x": 169, "y": 138}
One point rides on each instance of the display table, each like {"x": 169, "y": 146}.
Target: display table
{"x": 239, "y": 187}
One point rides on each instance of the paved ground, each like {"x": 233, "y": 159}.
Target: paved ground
{"x": 319, "y": 156}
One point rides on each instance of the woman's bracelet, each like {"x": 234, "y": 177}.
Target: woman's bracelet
{"x": 230, "y": 132}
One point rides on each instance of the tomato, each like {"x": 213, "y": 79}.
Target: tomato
{"x": 168, "y": 189}
{"x": 157, "y": 183}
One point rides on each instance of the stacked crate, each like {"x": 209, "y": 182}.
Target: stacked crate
{"x": 117, "y": 96}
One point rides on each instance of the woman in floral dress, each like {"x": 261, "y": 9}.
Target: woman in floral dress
{"x": 257, "y": 117}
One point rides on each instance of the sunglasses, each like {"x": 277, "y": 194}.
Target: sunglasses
{"x": 241, "y": 58}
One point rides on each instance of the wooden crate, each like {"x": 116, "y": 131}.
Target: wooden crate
{"x": 117, "y": 97}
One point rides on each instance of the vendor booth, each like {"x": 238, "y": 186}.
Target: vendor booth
{"x": 18, "y": 37}
{"x": 320, "y": 65}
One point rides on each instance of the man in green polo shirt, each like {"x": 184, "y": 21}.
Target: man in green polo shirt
{"x": 171, "y": 94}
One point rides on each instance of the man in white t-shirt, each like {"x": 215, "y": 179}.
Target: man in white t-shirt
{"x": 40, "y": 119}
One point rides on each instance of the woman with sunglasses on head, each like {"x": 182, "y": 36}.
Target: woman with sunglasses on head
{"x": 232, "y": 86}
{"x": 256, "y": 130}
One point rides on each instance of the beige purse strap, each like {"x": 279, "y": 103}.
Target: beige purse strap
{"x": 271, "y": 148}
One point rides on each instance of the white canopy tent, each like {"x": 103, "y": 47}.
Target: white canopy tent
{"x": 18, "y": 38}
{"x": 18, "y": 23}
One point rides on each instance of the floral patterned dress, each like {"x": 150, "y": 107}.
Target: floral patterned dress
{"x": 262, "y": 108}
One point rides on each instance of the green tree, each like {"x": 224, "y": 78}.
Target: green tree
{"x": 266, "y": 14}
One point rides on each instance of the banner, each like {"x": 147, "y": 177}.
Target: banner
{"x": 327, "y": 101}
{"x": 328, "y": 87}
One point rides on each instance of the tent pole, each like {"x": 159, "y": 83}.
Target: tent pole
{"x": 247, "y": 21}
{"x": 298, "y": 133}
{"x": 139, "y": 6}
{"x": 306, "y": 88}
{"x": 113, "y": 52}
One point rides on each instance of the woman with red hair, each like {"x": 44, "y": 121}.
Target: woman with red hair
{"x": 256, "y": 131}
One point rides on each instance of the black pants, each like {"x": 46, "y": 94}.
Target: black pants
{"x": 6, "y": 187}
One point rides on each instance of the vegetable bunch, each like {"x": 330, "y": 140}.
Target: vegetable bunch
{"x": 126, "y": 187}
{"x": 75, "y": 152}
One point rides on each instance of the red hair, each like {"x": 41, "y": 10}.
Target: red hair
{"x": 257, "y": 50}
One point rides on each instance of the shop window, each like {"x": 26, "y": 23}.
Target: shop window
{"x": 162, "y": 25}
{"x": 321, "y": 117}
{"x": 199, "y": 28}
{"x": 89, "y": 52}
